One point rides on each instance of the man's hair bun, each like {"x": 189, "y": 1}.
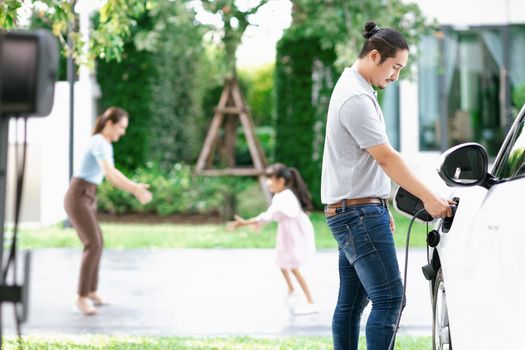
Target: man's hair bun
{"x": 370, "y": 29}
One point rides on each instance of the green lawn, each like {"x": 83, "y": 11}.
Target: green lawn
{"x": 125, "y": 236}
{"x": 230, "y": 343}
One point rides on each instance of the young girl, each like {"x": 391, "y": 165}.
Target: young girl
{"x": 295, "y": 233}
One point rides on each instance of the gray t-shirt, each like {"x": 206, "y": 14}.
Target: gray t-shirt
{"x": 354, "y": 123}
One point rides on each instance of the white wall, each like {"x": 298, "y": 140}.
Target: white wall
{"x": 408, "y": 117}
{"x": 47, "y": 168}
{"x": 473, "y": 12}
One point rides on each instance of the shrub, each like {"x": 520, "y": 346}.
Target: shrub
{"x": 266, "y": 136}
{"x": 177, "y": 191}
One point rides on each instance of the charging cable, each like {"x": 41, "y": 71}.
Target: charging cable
{"x": 403, "y": 302}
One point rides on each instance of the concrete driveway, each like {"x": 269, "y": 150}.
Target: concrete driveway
{"x": 196, "y": 292}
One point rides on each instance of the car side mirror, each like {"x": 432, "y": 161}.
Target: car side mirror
{"x": 465, "y": 165}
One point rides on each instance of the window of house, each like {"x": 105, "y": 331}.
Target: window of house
{"x": 428, "y": 91}
{"x": 389, "y": 99}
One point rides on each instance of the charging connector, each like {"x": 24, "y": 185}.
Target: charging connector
{"x": 447, "y": 222}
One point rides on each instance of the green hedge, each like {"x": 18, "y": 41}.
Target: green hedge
{"x": 128, "y": 84}
{"x": 178, "y": 121}
{"x": 162, "y": 87}
{"x": 301, "y": 104}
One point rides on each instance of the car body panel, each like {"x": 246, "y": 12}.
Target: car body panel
{"x": 482, "y": 259}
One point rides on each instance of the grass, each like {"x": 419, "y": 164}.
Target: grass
{"x": 132, "y": 236}
{"x": 227, "y": 343}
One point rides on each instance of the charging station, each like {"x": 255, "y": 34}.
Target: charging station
{"x": 28, "y": 70}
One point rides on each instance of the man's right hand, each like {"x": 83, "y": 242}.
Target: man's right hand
{"x": 437, "y": 206}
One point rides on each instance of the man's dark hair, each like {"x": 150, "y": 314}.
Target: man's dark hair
{"x": 386, "y": 41}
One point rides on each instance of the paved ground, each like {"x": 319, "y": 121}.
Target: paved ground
{"x": 193, "y": 292}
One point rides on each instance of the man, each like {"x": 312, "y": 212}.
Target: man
{"x": 357, "y": 163}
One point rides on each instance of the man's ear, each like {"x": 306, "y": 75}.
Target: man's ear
{"x": 374, "y": 56}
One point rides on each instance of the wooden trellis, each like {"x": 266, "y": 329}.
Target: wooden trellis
{"x": 231, "y": 109}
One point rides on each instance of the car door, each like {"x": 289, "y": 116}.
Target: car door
{"x": 482, "y": 256}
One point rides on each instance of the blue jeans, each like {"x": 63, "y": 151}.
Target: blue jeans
{"x": 368, "y": 270}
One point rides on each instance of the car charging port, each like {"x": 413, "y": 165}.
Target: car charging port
{"x": 447, "y": 222}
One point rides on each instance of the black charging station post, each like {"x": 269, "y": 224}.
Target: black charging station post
{"x": 4, "y": 146}
{"x": 28, "y": 66}
{"x": 14, "y": 293}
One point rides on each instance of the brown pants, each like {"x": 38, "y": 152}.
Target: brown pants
{"x": 81, "y": 207}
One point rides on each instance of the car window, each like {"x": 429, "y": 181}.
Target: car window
{"x": 513, "y": 162}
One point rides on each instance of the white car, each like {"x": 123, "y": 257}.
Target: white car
{"x": 478, "y": 287}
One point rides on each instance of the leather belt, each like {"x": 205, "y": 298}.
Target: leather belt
{"x": 330, "y": 209}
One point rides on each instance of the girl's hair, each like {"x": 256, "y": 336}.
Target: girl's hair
{"x": 115, "y": 114}
{"x": 386, "y": 41}
{"x": 294, "y": 181}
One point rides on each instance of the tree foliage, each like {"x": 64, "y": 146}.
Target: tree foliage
{"x": 160, "y": 81}
{"x": 258, "y": 84}
{"x": 117, "y": 18}
{"x": 9, "y": 13}
{"x": 178, "y": 123}
{"x": 339, "y": 24}
{"x": 128, "y": 84}
{"x": 235, "y": 21}
{"x": 301, "y": 103}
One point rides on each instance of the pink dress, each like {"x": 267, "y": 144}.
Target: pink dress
{"x": 295, "y": 232}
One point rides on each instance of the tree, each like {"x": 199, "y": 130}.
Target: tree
{"x": 160, "y": 81}
{"x": 108, "y": 37}
{"x": 235, "y": 21}
{"x": 301, "y": 104}
{"x": 259, "y": 86}
{"x": 339, "y": 23}
{"x": 9, "y": 13}
{"x": 176, "y": 105}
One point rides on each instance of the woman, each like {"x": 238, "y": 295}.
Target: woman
{"x": 80, "y": 200}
